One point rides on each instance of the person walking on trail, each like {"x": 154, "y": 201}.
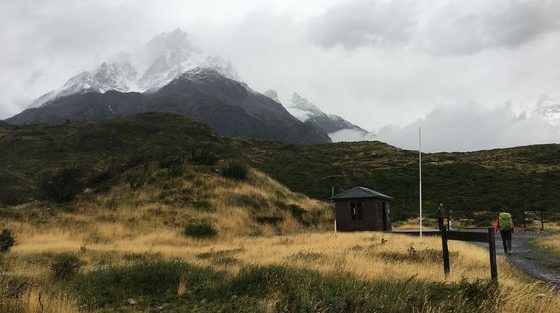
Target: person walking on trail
{"x": 504, "y": 223}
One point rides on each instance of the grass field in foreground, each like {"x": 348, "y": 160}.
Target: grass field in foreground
{"x": 328, "y": 270}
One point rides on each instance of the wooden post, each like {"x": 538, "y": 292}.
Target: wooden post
{"x": 524, "y": 221}
{"x": 542, "y": 221}
{"x": 492, "y": 251}
{"x": 444, "y": 248}
{"x": 448, "y": 219}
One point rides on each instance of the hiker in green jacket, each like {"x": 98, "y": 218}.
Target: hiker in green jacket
{"x": 504, "y": 223}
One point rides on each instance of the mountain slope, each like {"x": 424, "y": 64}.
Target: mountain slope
{"x": 468, "y": 183}
{"x": 205, "y": 94}
{"x": 306, "y": 111}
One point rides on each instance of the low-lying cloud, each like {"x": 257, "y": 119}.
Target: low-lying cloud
{"x": 469, "y": 128}
{"x": 350, "y": 135}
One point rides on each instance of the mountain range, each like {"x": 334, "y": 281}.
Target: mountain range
{"x": 170, "y": 75}
{"x": 204, "y": 94}
{"x": 132, "y": 78}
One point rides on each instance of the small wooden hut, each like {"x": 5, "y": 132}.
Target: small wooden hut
{"x": 362, "y": 209}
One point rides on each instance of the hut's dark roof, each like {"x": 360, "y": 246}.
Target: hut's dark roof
{"x": 360, "y": 193}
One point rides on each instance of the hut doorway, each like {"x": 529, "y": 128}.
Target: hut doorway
{"x": 384, "y": 209}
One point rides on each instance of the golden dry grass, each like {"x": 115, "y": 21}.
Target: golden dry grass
{"x": 551, "y": 243}
{"x": 366, "y": 255}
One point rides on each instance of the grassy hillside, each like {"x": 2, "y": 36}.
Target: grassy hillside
{"x": 517, "y": 178}
{"x": 468, "y": 183}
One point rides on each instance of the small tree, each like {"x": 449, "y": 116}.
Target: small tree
{"x": 65, "y": 266}
{"x": 64, "y": 185}
{"x": 6, "y": 240}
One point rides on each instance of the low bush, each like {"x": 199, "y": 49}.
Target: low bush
{"x": 297, "y": 212}
{"x": 65, "y": 266}
{"x": 235, "y": 170}
{"x": 7, "y": 240}
{"x": 200, "y": 229}
{"x": 64, "y": 185}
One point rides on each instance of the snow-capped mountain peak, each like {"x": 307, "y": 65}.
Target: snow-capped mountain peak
{"x": 549, "y": 109}
{"x": 164, "y": 58}
{"x": 337, "y": 127}
{"x": 119, "y": 76}
{"x": 302, "y": 108}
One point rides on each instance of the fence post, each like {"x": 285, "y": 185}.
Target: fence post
{"x": 444, "y": 247}
{"x": 524, "y": 222}
{"x": 542, "y": 221}
{"x": 445, "y": 251}
{"x": 492, "y": 251}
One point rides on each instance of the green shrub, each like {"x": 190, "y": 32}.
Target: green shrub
{"x": 65, "y": 266}
{"x": 6, "y": 240}
{"x": 64, "y": 185}
{"x": 200, "y": 229}
{"x": 235, "y": 170}
{"x": 297, "y": 212}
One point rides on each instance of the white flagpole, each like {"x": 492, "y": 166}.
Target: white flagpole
{"x": 420, "y": 172}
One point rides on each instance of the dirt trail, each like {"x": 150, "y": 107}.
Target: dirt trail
{"x": 542, "y": 265}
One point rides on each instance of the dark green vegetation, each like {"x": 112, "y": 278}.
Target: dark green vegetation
{"x": 181, "y": 287}
{"x": 235, "y": 170}
{"x": 470, "y": 184}
{"x": 7, "y": 240}
{"x": 200, "y": 229}
{"x": 65, "y": 266}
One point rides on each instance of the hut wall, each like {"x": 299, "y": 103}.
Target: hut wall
{"x": 372, "y": 215}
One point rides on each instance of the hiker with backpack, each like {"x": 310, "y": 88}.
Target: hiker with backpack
{"x": 504, "y": 223}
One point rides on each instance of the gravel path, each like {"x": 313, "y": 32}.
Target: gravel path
{"x": 539, "y": 264}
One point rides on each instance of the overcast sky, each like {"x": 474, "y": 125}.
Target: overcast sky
{"x": 446, "y": 64}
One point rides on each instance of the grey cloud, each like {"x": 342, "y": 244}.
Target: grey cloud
{"x": 471, "y": 128}
{"x": 364, "y": 22}
{"x": 458, "y": 30}
{"x": 458, "y": 27}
